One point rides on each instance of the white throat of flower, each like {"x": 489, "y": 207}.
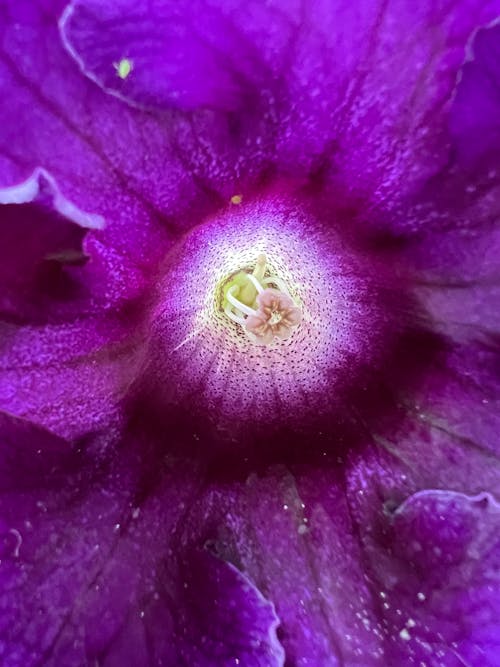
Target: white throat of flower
{"x": 261, "y": 304}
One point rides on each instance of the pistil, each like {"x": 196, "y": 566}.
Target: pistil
{"x": 264, "y": 312}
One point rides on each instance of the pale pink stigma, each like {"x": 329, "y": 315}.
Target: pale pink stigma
{"x": 276, "y": 317}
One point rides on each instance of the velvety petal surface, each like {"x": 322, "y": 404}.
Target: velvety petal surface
{"x": 40, "y": 231}
{"x": 184, "y": 55}
{"x": 362, "y": 570}
{"x": 454, "y": 259}
{"x": 451, "y": 543}
{"x": 67, "y": 361}
{"x": 65, "y": 357}
{"x": 374, "y": 528}
{"x": 475, "y": 115}
{"x": 93, "y": 570}
{"x": 226, "y": 619}
{"x": 365, "y": 127}
{"x": 61, "y": 122}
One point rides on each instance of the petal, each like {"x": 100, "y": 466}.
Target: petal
{"x": 69, "y": 336}
{"x": 69, "y": 377}
{"x": 93, "y": 145}
{"x": 458, "y": 400}
{"x": 450, "y": 549}
{"x": 372, "y": 126}
{"x": 42, "y": 191}
{"x": 149, "y": 175}
{"x": 233, "y": 623}
{"x": 476, "y": 108}
{"x": 92, "y": 568}
{"x": 455, "y": 258}
{"x": 30, "y": 454}
{"x": 373, "y": 122}
{"x": 365, "y": 574}
{"x": 41, "y": 230}
{"x": 300, "y": 550}
{"x": 181, "y": 55}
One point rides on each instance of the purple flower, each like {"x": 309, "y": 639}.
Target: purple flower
{"x": 249, "y": 316}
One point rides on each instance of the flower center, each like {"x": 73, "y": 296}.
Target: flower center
{"x": 261, "y": 304}
{"x": 224, "y": 311}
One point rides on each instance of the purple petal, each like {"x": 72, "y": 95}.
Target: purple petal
{"x": 296, "y": 542}
{"x": 30, "y": 454}
{"x": 70, "y": 376}
{"x": 227, "y": 620}
{"x": 448, "y": 586}
{"x": 475, "y": 119}
{"x": 92, "y": 144}
{"x": 40, "y": 231}
{"x": 66, "y": 355}
{"x": 369, "y": 87}
{"x": 356, "y": 581}
{"x": 149, "y": 175}
{"x": 90, "y": 571}
{"x": 375, "y": 135}
{"x": 184, "y": 55}
{"x": 41, "y": 190}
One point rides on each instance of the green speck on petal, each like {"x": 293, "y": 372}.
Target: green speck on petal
{"x": 124, "y": 67}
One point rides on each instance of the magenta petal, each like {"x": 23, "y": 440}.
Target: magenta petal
{"x": 341, "y": 85}
{"x": 40, "y": 231}
{"x": 447, "y": 579}
{"x": 42, "y": 191}
{"x": 183, "y": 55}
{"x": 93, "y": 145}
{"x": 370, "y": 85}
{"x": 217, "y": 61}
{"x": 295, "y": 538}
{"x": 64, "y": 524}
{"x": 475, "y": 119}
{"x": 68, "y": 377}
{"x": 66, "y": 355}
{"x": 90, "y": 571}
{"x": 230, "y": 621}
{"x": 372, "y": 586}
{"x": 30, "y": 455}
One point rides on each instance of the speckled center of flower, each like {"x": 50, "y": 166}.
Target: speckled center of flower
{"x": 265, "y": 313}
